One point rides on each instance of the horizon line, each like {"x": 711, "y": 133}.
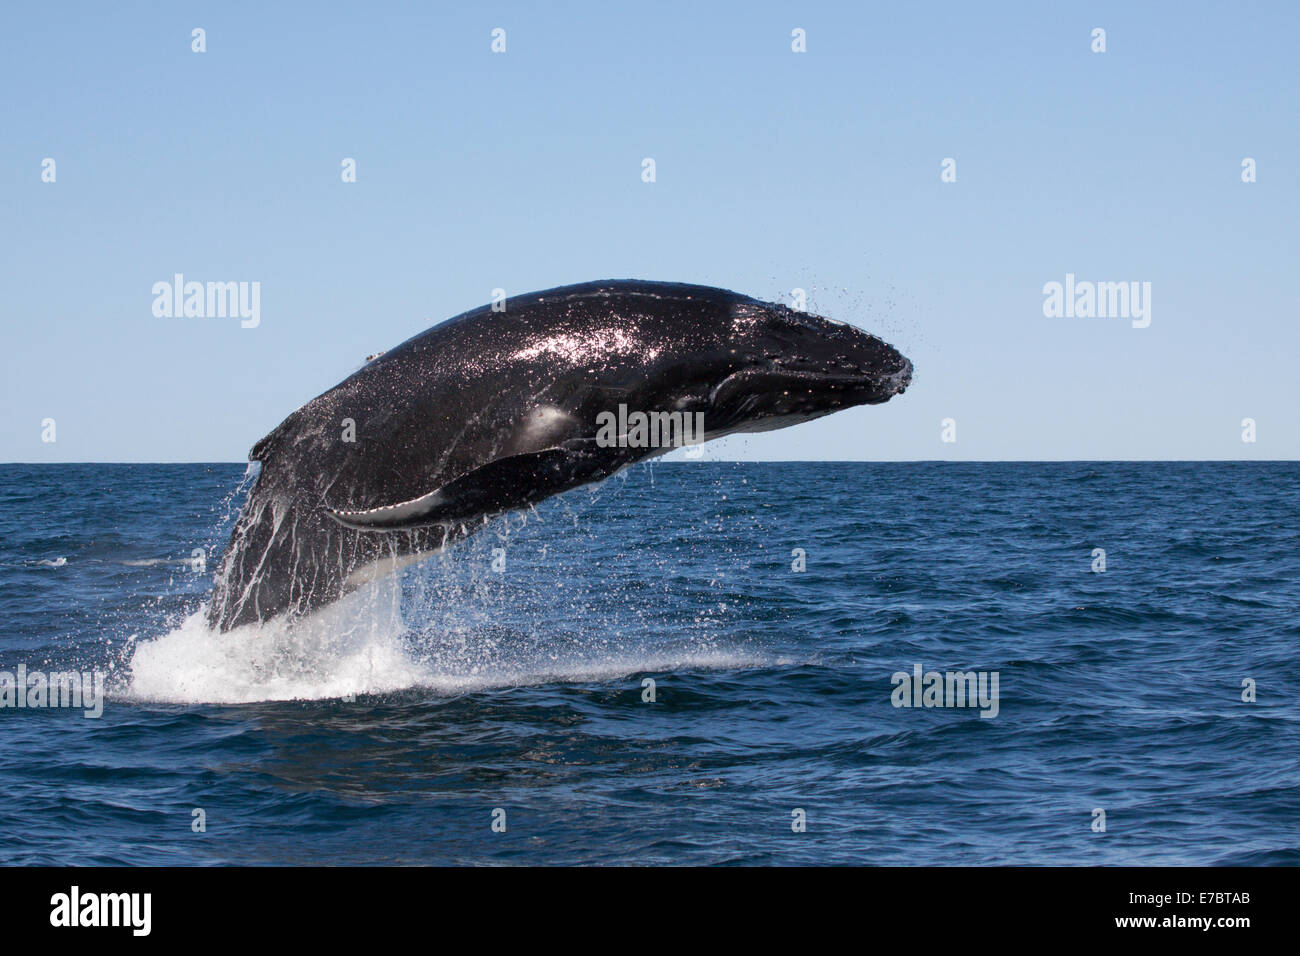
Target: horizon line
{"x": 788, "y": 461}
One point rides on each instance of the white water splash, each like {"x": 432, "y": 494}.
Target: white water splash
{"x": 361, "y": 645}
{"x": 444, "y": 626}
{"x": 351, "y": 647}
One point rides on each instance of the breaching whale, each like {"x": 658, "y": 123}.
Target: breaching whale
{"x": 494, "y": 410}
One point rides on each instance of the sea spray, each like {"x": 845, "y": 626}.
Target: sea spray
{"x": 353, "y": 647}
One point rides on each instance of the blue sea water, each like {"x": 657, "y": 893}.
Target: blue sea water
{"x": 509, "y": 674}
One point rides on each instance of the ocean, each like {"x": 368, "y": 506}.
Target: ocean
{"x": 693, "y": 663}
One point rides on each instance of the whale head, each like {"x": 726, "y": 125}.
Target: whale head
{"x": 750, "y": 366}
{"x": 788, "y": 366}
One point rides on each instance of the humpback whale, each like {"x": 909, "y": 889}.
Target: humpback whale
{"x": 494, "y": 410}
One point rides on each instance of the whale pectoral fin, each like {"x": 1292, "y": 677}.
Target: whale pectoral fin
{"x": 405, "y": 514}
{"x": 499, "y": 485}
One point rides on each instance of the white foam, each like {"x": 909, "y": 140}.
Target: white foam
{"x": 336, "y": 653}
{"x": 361, "y": 645}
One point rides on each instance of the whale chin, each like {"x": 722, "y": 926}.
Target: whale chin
{"x": 765, "y": 399}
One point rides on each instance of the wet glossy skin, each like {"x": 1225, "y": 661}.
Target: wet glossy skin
{"x": 491, "y": 411}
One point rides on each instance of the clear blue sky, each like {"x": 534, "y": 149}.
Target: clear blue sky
{"x": 774, "y": 170}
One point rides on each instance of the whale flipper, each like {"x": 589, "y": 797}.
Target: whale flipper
{"x": 491, "y": 487}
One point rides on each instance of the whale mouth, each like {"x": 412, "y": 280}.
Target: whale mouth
{"x": 774, "y": 395}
